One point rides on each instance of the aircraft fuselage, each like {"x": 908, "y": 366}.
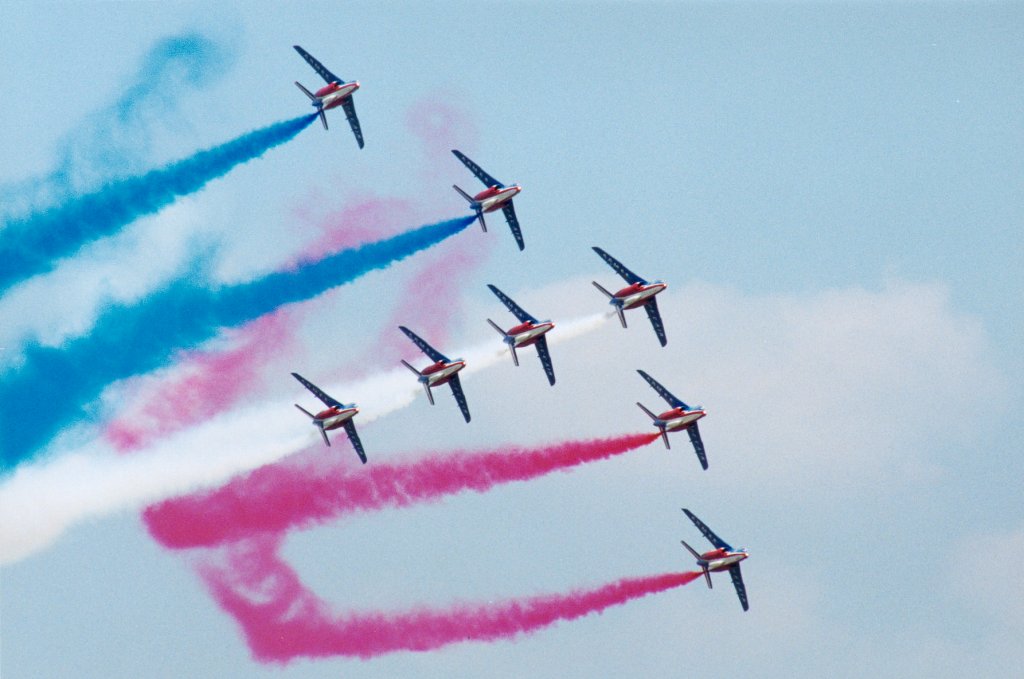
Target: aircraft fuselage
{"x": 495, "y": 197}
{"x": 527, "y": 333}
{"x": 679, "y": 418}
{"x": 336, "y": 417}
{"x": 333, "y": 95}
{"x": 441, "y": 372}
{"x": 721, "y": 560}
{"x": 637, "y": 295}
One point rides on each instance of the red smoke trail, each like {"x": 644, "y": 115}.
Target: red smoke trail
{"x": 279, "y": 497}
{"x": 202, "y": 384}
{"x": 283, "y": 620}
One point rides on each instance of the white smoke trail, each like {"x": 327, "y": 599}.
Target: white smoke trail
{"x": 40, "y": 501}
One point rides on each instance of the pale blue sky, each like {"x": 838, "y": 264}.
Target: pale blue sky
{"x": 833, "y": 193}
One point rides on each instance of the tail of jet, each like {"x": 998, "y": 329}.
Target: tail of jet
{"x": 508, "y": 340}
{"x": 657, "y": 423}
{"x": 318, "y": 423}
{"x": 423, "y": 380}
{"x": 316, "y": 102}
{"x": 613, "y": 300}
{"x": 477, "y": 208}
{"x": 700, "y": 562}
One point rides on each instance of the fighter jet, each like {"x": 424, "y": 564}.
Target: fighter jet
{"x": 495, "y": 196}
{"x": 443, "y": 371}
{"x": 638, "y": 293}
{"x": 529, "y": 331}
{"x": 681, "y": 416}
{"x": 335, "y": 93}
{"x": 336, "y": 415}
{"x": 721, "y": 558}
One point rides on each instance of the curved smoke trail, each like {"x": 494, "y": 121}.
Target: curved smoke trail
{"x": 285, "y": 620}
{"x": 128, "y": 341}
{"x": 276, "y": 498}
{"x": 29, "y": 245}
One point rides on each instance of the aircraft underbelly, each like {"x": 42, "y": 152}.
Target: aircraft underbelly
{"x": 634, "y": 300}
{"x": 442, "y": 376}
{"x": 529, "y": 336}
{"x": 338, "y": 420}
{"x": 681, "y": 422}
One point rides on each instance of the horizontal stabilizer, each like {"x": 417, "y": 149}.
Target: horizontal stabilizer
{"x": 305, "y": 91}
{"x": 496, "y": 327}
{"x": 406, "y": 364}
{"x": 311, "y": 415}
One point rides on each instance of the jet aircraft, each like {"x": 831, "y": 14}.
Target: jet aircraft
{"x": 443, "y": 371}
{"x": 681, "y": 416}
{"x": 495, "y": 196}
{"x": 721, "y": 558}
{"x": 638, "y": 293}
{"x": 336, "y": 415}
{"x": 529, "y": 331}
{"x": 335, "y": 93}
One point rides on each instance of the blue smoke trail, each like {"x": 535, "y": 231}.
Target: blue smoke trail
{"x": 29, "y": 246}
{"x": 115, "y": 140}
{"x": 54, "y": 386}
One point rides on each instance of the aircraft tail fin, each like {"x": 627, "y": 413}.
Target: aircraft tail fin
{"x": 700, "y": 562}
{"x": 658, "y": 423}
{"x": 498, "y": 328}
{"x": 611, "y": 297}
{"x": 323, "y": 118}
{"x": 475, "y": 205}
{"x": 323, "y": 433}
{"x": 305, "y": 91}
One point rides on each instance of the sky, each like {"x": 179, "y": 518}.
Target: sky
{"x": 832, "y": 192}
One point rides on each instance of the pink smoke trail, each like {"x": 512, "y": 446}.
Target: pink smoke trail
{"x": 283, "y": 620}
{"x": 202, "y": 384}
{"x": 279, "y": 497}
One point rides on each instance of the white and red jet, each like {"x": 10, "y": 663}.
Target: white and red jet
{"x": 638, "y": 293}
{"x": 496, "y": 196}
{"x": 721, "y": 558}
{"x": 529, "y": 331}
{"x": 681, "y": 416}
{"x": 336, "y": 415}
{"x": 443, "y": 371}
{"x": 335, "y": 93}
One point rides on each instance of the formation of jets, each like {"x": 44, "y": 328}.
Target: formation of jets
{"x": 529, "y": 331}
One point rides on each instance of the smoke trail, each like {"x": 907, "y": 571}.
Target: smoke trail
{"x": 128, "y": 341}
{"x": 30, "y": 245}
{"x": 276, "y": 498}
{"x": 202, "y": 385}
{"x": 285, "y": 620}
{"x": 115, "y": 140}
{"x": 39, "y": 501}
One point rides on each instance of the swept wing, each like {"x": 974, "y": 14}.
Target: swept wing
{"x": 615, "y": 264}
{"x": 516, "y": 310}
{"x": 460, "y": 396}
{"x": 423, "y": 346}
{"x": 318, "y": 67}
{"x": 487, "y": 179}
{"x": 708, "y": 533}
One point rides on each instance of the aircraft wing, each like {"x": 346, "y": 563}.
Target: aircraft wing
{"x": 737, "y": 581}
{"x": 353, "y": 436}
{"x": 652, "y": 313}
{"x": 460, "y": 396}
{"x": 545, "y": 358}
{"x": 513, "y": 223}
{"x": 698, "y": 445}
{"x": 628, "y": 275}
{"x": 318, "y": 67}
{"x": 327, "y": 400}
{"x": 516, "y": 310}
{"x": 487, "y": 179}
{"x": 424, "y": 347}
{"x": 663, "y": 392}
{"x": 350, "y": 113}
{"x": 709, "y": 534}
